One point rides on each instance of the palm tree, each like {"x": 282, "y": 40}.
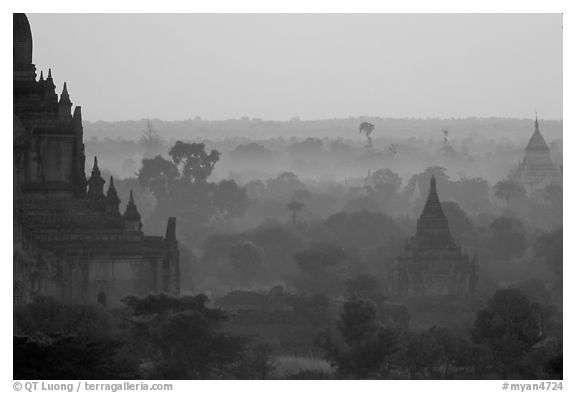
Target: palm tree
{"x": 366, "y": 129}
{"x": 295, "y": 207}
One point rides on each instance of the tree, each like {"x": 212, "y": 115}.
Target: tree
{"x": 363, "y": 228}
{"x": 508, "y": 238}
{"x": 386, "y": 182}
{"x": 283, "y": 186}
{"x": 509, "y": 325}
{"x": 361, "y": 346}
{"x": 229, "y": 199}
{"x": 246, "y": 260}
{"x": 71, "y": 357}
{"x": 150, "y": 139}
{"x": 458, "y": 221}
{"x": 318, "y": 268}
{"x": 194, "y": 162}
{"x": 509, "y": 190}
{"x": 435, "y": 353}
{"x": 364, "y": 286}
{"x": 159, "y": 175}
{"x": 554, "y": 195}
{"x": 549, "y": 247}
{"x": 367, "y": 129}
{"x": 187, "y": 338}
{"x": 295, "y": 207}
{"x": 252, "y": 153}
{"x": 422, "y": 181}
{"x": 181, "y": 188}
{"x": 307, "y": 149}
{"x": 473, "y": 194}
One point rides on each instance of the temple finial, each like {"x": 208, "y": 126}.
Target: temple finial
{"x": 131, "y": 216}
{"x": 41, "y": 76}
{"x": 111, "y": 186}
{"x": 49, "y": 73}
{"x": 65, "y": 89}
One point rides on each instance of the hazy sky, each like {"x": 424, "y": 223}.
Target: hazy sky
{"x": 277, "y": 66}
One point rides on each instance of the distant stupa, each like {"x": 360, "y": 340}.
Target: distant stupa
{"x": 536, "y": 170}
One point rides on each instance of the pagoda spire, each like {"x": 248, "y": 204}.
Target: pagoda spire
{"x": 41, "y": 76}
{"x": 537, "y": 141}
{"x": 96, "y": 183}
{"x": 64, "y": 105}
{"x": 112, "y": 200}
{"x": 432, "y": 226}
{"x": 132, "y": 218}
{"x": 50, "y": 88}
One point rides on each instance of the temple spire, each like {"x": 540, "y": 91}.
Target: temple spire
{"x": 537, "y": 141}
{"x": 65, "y": 105}
{"x": 132, "y": 216}
{"x": 112, "y": 200}
{"x": 95, "y": 168}
{"x": 171, "y": 231}
{"x": 432, "y": 226}
{"x": 96, "y": 183}
{"x": 41, "y": 76}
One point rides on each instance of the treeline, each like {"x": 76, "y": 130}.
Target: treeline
{"x": 253, "y": 128}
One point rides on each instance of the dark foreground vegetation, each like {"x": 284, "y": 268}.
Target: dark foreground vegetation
{"x": 162, "y": 337}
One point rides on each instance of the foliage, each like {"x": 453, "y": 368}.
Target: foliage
{"x": 181, "y": 188}
{"x": 363, "y": 228}
{"x": 549, "y": 247}
{"x": 46, "y": 316}
{"x": 507, "y": 238}
{"x": 361, "y": 346}
{"x": 364, "y": 286}
{"x": 186, "y": 336}
{"x": 509, "y": 190}
{"x": 70, "y": 357}
{"x": 509, "y": 325}
{"x": 318, "y": 268}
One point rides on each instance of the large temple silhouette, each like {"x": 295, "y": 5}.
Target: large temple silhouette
{"x": 536, "y": 170}
{"x": 432, "y": 263}
{"x": 70, "y": 240}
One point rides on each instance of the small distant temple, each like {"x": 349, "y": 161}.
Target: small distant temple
{"x": 432, "y": 263}
{"x": 536, "y": 170}
{"x": 71, "y": 242}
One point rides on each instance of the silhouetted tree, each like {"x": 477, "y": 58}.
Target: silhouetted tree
{"x": 367, "y": 129}
{"x": 150, "y": 139}
{"x": 386, "y": 182}
{"x": 295, "y": 207}
{"x": 195, "y": 163}
{"x": 187, "y": 337}
{"x": 361, "y": 346}
{"x": 509, "y": 325}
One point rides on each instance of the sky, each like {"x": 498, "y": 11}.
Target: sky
{"x": 314, "y": 66}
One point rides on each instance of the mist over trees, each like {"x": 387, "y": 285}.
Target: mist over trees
{"x": 290, "y": 235}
